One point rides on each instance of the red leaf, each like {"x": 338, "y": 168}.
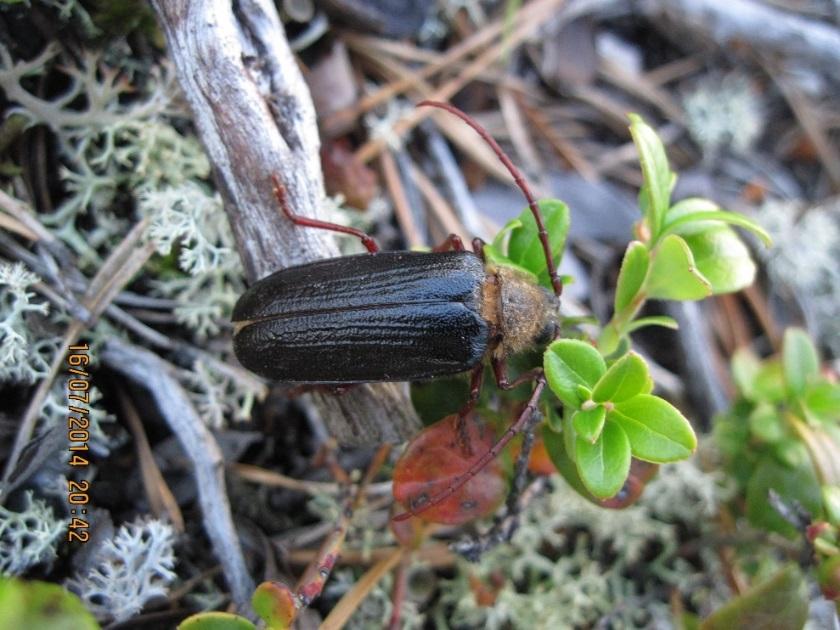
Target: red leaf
{"x": 436, "y": 460}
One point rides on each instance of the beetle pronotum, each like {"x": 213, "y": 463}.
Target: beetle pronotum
{"x": 400, "y": 316}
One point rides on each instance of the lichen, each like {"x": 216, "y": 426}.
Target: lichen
{"x": 28, "y": 537}
{"x": 24, "y": 357}
{"x": 724, "y": 112}
{"x": 806, "y": 248}
{"x": 128, "y": 570}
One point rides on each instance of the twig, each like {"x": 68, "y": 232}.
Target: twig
{"x": 158, "y": 377}
{"x": 763, "y": 27}
{"x": 438, "y": 205}
{"x": 161, "y": 499}
{"x": 254, "y": 115}
{"x": 401, "y": 206}
{"x": 453, "y": 180}
{"x": 116, "y": 272}
{"x": 348, "y": 604}
{"x": 312, "y": 581}
{"x": 398, "y": 592}
{"x": 265, "y": 477}
{"x": 526, "y": 23}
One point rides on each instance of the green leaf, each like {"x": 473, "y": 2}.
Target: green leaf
{"x": 831, "y": 502}
{"x": 698, "y": 215}
{"x": 822, "y": 399}
{"x": 563, "y": 462}
{"x": 797, "y": 484}
{"x": 36, "y": 605}
{"x": 604, "y": 465}
{"x": 216, "y": 621}
{"x": 524, "y": 246}
{"x": 626, "y": 378}
{"x": 494, "y": 256}
{"x": 631, "y": 277}
{"x": 769, "y": 383}
{"x": 658, "y": 178}
{"x": 673, "y": 274}
{"x": 658, "y": 432}
{"x": 653, "y": 320}
{"x": 745, "y": 367}
{"x": 722, "y": 258}
{"x": 569, "y": 363}
{"x": 800, "y": 360}
{"x": 438, "y": 398}
{"x": 780, "y": 603}
{"x": 589, "y": 424}
{"x": 766, "y": 424}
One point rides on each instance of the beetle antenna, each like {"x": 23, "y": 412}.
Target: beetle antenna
{"x": 556, "y": 283}
{"x": 481, "y": 462}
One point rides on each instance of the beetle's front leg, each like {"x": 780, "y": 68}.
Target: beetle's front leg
{"x": 500, "y": 372}
{"x": 283, "y": 199}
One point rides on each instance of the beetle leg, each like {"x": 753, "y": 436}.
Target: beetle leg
{"x": 453, "y": 242}
{"x": 500, "y": 371}
{"x": 476, "y": 377}
{"x": 283, "y": 199}
{"x": 478, "y": 247}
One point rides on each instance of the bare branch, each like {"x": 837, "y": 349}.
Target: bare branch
{"x": 254, "y": 114}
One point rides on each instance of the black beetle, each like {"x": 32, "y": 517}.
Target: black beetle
{"x": 399, "y": 316}
{"x": 391, "y": 316}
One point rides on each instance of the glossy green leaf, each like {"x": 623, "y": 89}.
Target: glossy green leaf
{"x": 723, "y": 259}
{"x": 653, "y": 320}
{"x": 603, "y": 466}
{"x": 35, "y": 605}
{"x": 800, "y": 360}
{"x": 216, "y": 621}
{"x": 524, "y": 246}
{"x": 780, "y": 603}
{"x": 658, "y": 432}
{"x": 569, "y": 363}
{"x": 693, "y": 215}
{"x": 673, "y": 273}
{"x": 631, "y": 277}
{"x": 589, "y": 424}
{"x": 797, "y": 484}
{"x": 625, "y": 378}
{"x": 658, "y": 178}
{"x": 564, "y": 463}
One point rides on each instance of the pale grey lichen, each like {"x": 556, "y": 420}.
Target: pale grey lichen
{"x": 54, "y": 413}
{"x": 24, "y": 357}
{"x": 216, "y": 395}
{"x": 724, "y": 112}
{"x": 191, "y": 217}
{"x": 570, "y": 562}
{"x": 28, "y": 537}
{"x": 806, "y": 248}
{"x": 128, "y": 570}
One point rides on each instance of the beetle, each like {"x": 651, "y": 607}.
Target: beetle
{"x": 399, "y": 316}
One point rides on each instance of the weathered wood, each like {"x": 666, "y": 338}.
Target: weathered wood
{"x": 254, "y": 114}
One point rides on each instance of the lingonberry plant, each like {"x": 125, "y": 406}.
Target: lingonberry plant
{"x": 600, "y": 409}
{"x": 781, "y": 445}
